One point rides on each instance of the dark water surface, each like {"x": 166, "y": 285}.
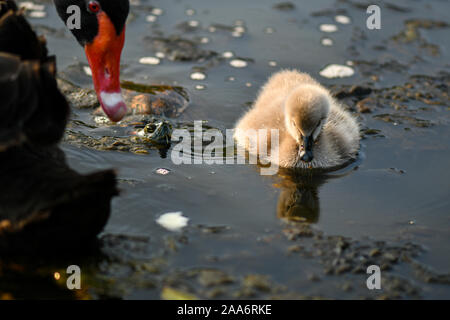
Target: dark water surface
{"x": 397, "y": 192}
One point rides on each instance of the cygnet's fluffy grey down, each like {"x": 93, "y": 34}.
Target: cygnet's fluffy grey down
{"x": 314, "y": 130}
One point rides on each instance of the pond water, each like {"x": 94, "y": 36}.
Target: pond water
{"x": 397, "y": 192}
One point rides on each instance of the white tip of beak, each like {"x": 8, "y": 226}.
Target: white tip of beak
{"x": 113, "y": 105}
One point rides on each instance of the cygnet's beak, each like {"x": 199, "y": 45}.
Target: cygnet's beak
{"x": 306, "y": 149}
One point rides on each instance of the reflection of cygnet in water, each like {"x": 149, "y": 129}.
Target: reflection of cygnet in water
{"x": 314, "y": 130}
{"x": 299, "y": 198}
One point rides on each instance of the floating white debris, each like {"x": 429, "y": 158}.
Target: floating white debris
{"x": 269, "y": 30}
{"x": 273, "y": 63}
{"x": 173, "y": 221}
{"x": 102, "y": 120}
{"x": 200, "y": 87}
{"x": 135, "y": 2}
{"x": 162, "y": 171}
{"x": 326, "y": 42}
{"x": 231, "y": 78}
{"x": 37, "y": 14}
{"x": 190, "y": 12}
{"x": 150, "y": 18}
{"x": 328, "y": 28}
{"x": 337, "y": 71}
{"x": 228, "y": 54}
{"x": 240, "y": 29}
{"x": 149, "y": 60}
{"x": 248, "y": 84}
{"x": 212, "y": 29}
{"x": 342, "y": 19}
{"x": 157, "y": 11}
{"x": 350, "y": 63}
{"x": 160, "y": 55}
{"x": 31, "y": 6}
{"x": 238, "y": 63}
{"x": 236, "y": 34}
{"x": 87, "y": 71}
{"x": 193, "y": 23}
{"x": 198, "y": 76}
{"x": 204, "y": 40}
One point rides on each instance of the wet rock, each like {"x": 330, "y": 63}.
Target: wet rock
{"x": 428, "y": 275}
{"x": 209, "y": 278}
{"x": 396, "y": 8}
{"x": 169, "y": 293}
{"x": 158, "y": 100}
{"x": 257, "y": 282}
{"x": 411, "y": 34}
{"x": 77, "y": 97}
{"x": 353, "y": 91}
{"x": 399, "y": 119}
{"x": 179, "y": 49}
{"x": 371, "y": 132}
{"x": 284, "y": 6}
{"x": 366, "y": 105}
{"x": 328, "y": 12}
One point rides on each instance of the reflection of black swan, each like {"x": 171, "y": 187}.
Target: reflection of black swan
{"x": 43, "y": 203}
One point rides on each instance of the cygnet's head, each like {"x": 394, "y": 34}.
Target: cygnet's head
{"x": 306, "y": 112}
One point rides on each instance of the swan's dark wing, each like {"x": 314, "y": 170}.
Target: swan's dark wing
{"x": 17, "y": 36}
{"x": 45, "y": 205}
{"x": 32, "y": 108}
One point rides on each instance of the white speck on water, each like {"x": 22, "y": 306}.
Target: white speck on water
{"x": 190, "y": 12}
{"x": 336, "y": 71}
{"x": 269, "y": 30}
{"x": 101, "y": 120}
{"x": 37, "y": 14}
{"x": 160, "y": 55}
{"x": 193, "y": 23}
{"x": 212, "y": 29}
{"x": 350, "y": 63}
{"x": 157, "y": 11}
{"x": 327, "y": 42}
{"x": 31, "y": 6}
{"x": 198, "y": 76}
{"x": 173, "y": 221}
{"x": 240, "y": 29}
{"x": 204, "y": 40}
{"x": 228, "y": 54}
{"x": 342, "y": 19}
{"x": 231, "y": 78}
{"x": 162, "y": 171}
{"x": 238, "y": 63}
{"x": 273, "y": 63}
{"x": 150, "y": 18}
{"x": 149, "y": 60}
{"x": 200, "y": 87}
{"x": 248, "y": 84}
{"x": 135, "y": 2}
{"x": 328, "y": 27}
{"x": 87, "y": 71}
{"x": 411, "y": 222}
{"x": 236, "y": 34}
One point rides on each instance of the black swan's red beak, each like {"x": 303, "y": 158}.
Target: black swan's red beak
{"x": 103, "y": 55}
